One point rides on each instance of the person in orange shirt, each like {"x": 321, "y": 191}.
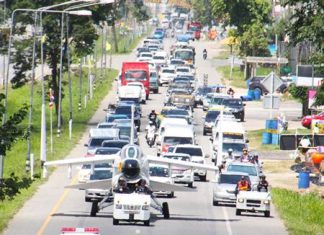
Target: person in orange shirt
{"x": 242, "y": 185}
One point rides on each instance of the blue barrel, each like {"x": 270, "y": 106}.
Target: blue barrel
{"x": 257, "y": 94}
{"x": 266, "y": 138}
{"x": 275, "y": 139}
{"x": 303, "y": 180}
{"x": 272, "y": 124}
{"x": 251, "y": 94}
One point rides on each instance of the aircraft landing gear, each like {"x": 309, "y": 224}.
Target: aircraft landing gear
{"x": 165, "y": 210}
{"x": 94, "y": 209}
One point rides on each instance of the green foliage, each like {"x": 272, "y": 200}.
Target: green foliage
{"x": 299, "y": 93}
{"x": 254, "y": 42}
{"x": 23, "y": 62}
{"x": 202, "y": 12}
{"x": 11, "y": 130}
{"x": 12, "y": 186}
{"x": 242, "y": 13}
{"x": 139, "y": 10}
{"x": 303, "y": 214}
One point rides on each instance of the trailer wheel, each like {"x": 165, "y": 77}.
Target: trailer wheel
{"x": 94, "y": 209}
{"x": 147, "y": 223}
{"x": 115, "y": 221}
{"x": 165, "y": 210}
{"x": 238, "y": 212}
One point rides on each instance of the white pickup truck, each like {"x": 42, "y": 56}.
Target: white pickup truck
{"x": 131, "y": 207}
{"x": 253, "y": 201}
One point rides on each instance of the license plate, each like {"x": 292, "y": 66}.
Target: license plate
{"x": 132, "y": 212}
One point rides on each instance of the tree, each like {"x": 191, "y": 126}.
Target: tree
{"x": 242, "y": 13}
{"x": 254, "y": 42}
{"x": 300, "y": 93}
{"x": 81, "y": 31}
{"x": 202, "y": 11}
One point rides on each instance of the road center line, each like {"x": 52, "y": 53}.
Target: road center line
{"x": 56, "y": 206}
{"x": 228, "y": 225}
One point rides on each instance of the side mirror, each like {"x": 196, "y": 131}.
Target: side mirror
{"x": 211, "y": 139}
{"x": 158, "y": 143}
{"x": 86, "y": 145}
{"x": 244, "y": 104}
{"x": 116, "y": 79}
{"x": 207, "y": 156}
{"x": 247, "y": 141}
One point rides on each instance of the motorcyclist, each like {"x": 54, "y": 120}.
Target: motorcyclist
{"x": 230, "y": 92}
{"x": 205, "y": 54}
{"x": 263, "y": 184}
{"x": 230, "y": 153}
{"x": 152, "y": 117}
{"x": 150, "y": 131}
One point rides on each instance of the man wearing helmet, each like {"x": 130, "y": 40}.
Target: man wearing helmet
{"x": 243, "y": 185}
{"x": 122, "y": 186}
{"x": 152, "y": 117}
{"x": 245, "y": 156}
{"x": 263, "y": 184}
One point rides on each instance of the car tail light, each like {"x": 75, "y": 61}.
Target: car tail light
{"x": 93, "y": 230}
{"x": 80, "y": 230}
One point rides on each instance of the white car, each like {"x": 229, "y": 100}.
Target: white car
{"x": 145, "y": 56}
{"x": 161, "y": 174}
{"x": 98, "y": 194}
{"x": 181, "y": 175}
{"x": 253, "y": 170}
{"x": 197, "y": 155}
{"x": 253, "y": 201}
{"x": 159, "y": 59}
{"x": 225, "y": 186}
{"x": 85, "y": 171}
{"x": 143, "y": 92}
{"x": 183, "y": 70}
{"x": 167, "y": 74}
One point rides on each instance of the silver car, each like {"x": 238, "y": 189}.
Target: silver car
{"x": 224, "y": 188}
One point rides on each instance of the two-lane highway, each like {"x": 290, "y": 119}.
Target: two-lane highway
{"x": 54, "y": 207}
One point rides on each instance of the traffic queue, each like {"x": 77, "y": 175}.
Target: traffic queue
{"x": 172, "y": 130}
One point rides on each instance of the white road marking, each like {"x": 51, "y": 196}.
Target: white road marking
{"x": 228, "y": 225}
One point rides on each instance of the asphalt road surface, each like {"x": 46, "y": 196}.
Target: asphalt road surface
{"x": 54, "y": 207}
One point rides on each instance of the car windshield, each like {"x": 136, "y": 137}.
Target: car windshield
{"x": 229, "y": 179}
{"x": 115, "y": 144}
{"x": 190, "y": 151}
{"x": 123, "y": 110}
{"x": 147, "y": 54}
{"x": 107, "y": 151}
{"x": 101, "y": 175}
{"x": 233, "y": 136}
{"x": 96, "y": 142}
{"x": 216, "y": 100}
{"x": 153, "y": 75}
{"x": 232, "y": 102}
{"x": 236, "y": 147}
{"x": 159, "y": 171}
{"x": 124, "y": 130}
{"x": 203, "y": 90}
{"x": 112, "y": 118}
{"x": 158, "y": 58}
{"x": 184, "y": 55}
{"x": 211, "y": 116}
{"x": 135, "y": 75}
{"x": 168, "y": 71}
{"x": 178, "y": 112}
{"x": 251, "y": 170}
{"x": 176, "y": 62}
{"x": 184, "y": 70}
{"x": 101, "y": 165}
{"x": 171, "y": 140}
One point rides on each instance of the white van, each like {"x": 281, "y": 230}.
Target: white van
{"x": 177, "y": 134}
{"x": 169, "y": 122}
{"x": 133, "y": 93}
{"x": 232, "y": 131}
{"x": 98, "y": 135}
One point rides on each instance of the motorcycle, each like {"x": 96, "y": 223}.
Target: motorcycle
{"x": 150, "y": 136}
{"x": 205, "y": 55}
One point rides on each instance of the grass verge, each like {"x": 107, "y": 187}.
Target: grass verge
{"x": 15, "y": 159}
{"x": 302, "y": 213}
{"x": 238, "y": 80}
{"x": 255, "y": 138}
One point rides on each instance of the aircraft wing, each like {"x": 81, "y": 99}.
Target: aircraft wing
{"x": 159, "y": 186}
{"x": 172, "y": 162}
{"x": 83, "y": 160}
{"x": 98, "y": 184}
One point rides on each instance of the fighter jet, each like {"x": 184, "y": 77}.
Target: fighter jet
{"x": 132, "y": 165}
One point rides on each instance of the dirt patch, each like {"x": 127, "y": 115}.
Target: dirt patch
{"x": 280, "y": 175}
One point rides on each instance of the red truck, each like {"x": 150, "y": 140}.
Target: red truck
{"x": 136, "y": 72}
{"x": 195, "y": 27}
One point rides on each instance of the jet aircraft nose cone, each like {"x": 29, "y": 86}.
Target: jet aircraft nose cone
{"x": 131, "y": 168}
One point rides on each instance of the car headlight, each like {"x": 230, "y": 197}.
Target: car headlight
{"x": 145, "y": 207}
{"x": 266, "y": 202}
{"x": 118, "y": 206}
{"x": 240, "y": 200}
